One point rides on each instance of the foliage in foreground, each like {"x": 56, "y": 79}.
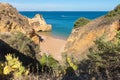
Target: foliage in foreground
{"x": 81, "y": 22}
{"x": 103, "y": 62}
{"x": 49, "y": 61}
{"x": 13, "y": 67}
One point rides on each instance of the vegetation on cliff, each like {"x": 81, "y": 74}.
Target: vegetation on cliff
{"x": 81, "y": 22}
{"x": 111, "y": 16}
{"x": 81, "y": 39}
{"x": 103, "y": 54}
{"x": 20, "y": 42}
{"x": 114, "y": 12}
{"x": 104, "y": 62}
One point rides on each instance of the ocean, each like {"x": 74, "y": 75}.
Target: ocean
{"x": 63, "y": 21}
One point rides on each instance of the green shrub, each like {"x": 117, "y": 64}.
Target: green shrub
{"x": 49, "y": 61}
{"x": 21, "y": 42}
{"x": 114, "y": 12}
{"x": 117, "y": 8}
{"x": 110, "y": 17}
{"x": 104, "y": 60}
{"x": 81, "y": 22}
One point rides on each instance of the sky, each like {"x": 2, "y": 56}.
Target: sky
{"x": 63, "y": 5}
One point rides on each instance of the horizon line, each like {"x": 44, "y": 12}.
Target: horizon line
{"x": 62, "y": 11}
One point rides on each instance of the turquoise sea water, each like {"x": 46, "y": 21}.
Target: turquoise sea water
{"x": 63, "y": 21}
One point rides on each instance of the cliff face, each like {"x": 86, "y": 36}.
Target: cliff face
{"x": 11, "y": 20}
{"x": 81, "y": 39}
{"x": 39, "y": 24}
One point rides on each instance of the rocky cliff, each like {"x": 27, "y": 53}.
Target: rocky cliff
{"x": 82, "y": 39}
{"x": 11, "y": 20}
{"x": 39, "y": 24}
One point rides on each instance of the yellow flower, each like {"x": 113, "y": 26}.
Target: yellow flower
{"x": 26, "y": 72}
{"x": 8, "y": 57}
{"x": 7, "y": 70}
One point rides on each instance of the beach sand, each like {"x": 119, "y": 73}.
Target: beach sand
{"x": 53, "y": 46}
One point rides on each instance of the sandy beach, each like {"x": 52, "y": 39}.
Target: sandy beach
{"x": 53, "y": 46}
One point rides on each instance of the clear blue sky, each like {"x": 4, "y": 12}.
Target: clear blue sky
{"x": 63, "y": 5}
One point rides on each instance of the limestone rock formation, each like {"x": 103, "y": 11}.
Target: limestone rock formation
{"x": 82, "y": 39}
{"x": 39, "y": 24}
{"x": 11, "y": 20}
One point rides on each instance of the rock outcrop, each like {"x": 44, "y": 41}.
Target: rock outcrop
{"x": 82, "y": 39}
{"x": 11, "y": 20}
{"x": 39, "y": 24}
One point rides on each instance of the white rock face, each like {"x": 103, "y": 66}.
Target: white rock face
{"x": 39, "y": 24}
